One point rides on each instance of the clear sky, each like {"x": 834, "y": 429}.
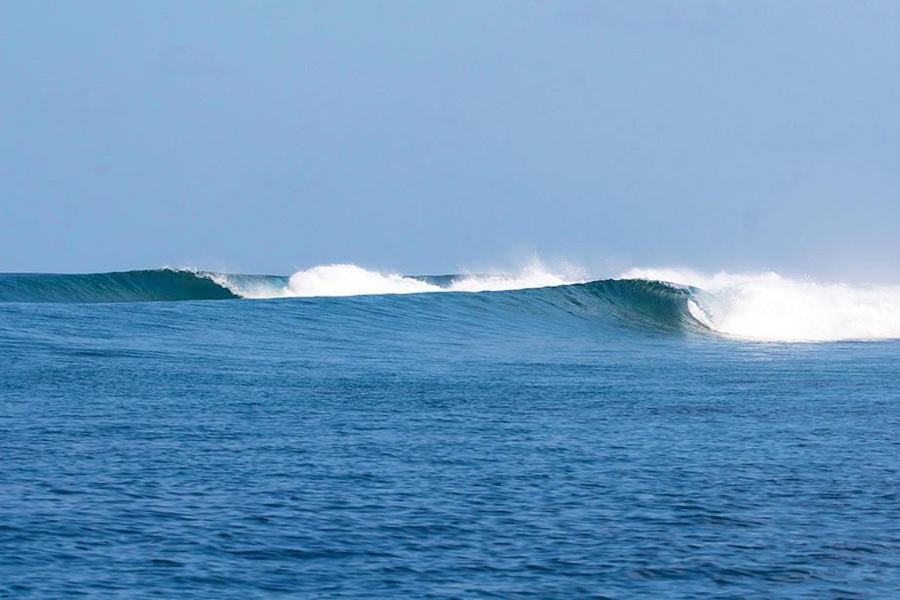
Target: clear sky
{"x": 425, "y": 137}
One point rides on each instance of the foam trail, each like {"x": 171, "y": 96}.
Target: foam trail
{"x": 353, "y": 280}
{"x": 769, "y": 306}
{"x": 535, "y": 275}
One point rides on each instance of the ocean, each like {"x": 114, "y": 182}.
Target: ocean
{"x": 343, "y": 433}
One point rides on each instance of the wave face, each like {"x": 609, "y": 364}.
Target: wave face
{"x": 126, "y": 286}
{"x": 765, "y": 307}
{"x": 632, "y": 303}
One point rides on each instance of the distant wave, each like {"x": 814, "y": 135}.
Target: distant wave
{"x": 125, "y": 286}
{"x": 760, "y": 307}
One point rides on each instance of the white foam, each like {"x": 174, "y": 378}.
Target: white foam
{"x": 247, "y": 286}
{"x": 353, "y": 280}
{"x": 535, "y": 275}
{"x": 768, "y": 306}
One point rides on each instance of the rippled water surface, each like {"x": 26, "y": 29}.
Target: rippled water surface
{"x": 473, "y": 445}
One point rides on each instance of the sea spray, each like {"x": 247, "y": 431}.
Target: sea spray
{"x": 769, "y": 306}
{"x": 352, "y": 280}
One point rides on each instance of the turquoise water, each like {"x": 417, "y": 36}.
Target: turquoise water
{"x": 588, "y": 440}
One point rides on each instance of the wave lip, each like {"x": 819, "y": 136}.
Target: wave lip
{"x": 638, "y": 304}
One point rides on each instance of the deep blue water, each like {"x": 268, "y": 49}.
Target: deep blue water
{"x": 492, "y": 445}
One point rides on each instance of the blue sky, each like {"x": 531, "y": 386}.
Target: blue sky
{"x": 425, "y": 137}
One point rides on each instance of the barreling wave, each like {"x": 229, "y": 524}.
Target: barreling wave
{"x": 760, "y": 307}
{"x": 630, "y": 303}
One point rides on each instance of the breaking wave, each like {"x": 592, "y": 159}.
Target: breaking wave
{"x": 760, "y": 307}
{"x": 769, "y": 306}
